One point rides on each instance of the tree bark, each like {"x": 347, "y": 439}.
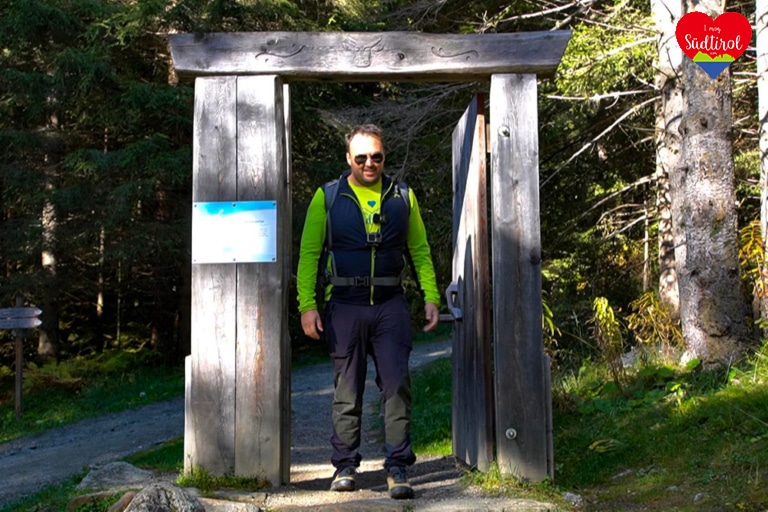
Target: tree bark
{"x": 666, "y": 14}
{"x": 761, "y": 28}
{"x": 712, "y": 307}
{"x": 48, "y": 337}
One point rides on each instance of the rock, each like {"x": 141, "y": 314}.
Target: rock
{"x": 116, "y": 475}
{"x": 624, "y": 473}
{"x": 573, "y": 499}
{"x": 699, "y": 497}
{"x": 164, "y": 497}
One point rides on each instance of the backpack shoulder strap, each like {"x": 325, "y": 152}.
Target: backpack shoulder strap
{"x": 401, "y": 189}
{"x": 330, "y": 190}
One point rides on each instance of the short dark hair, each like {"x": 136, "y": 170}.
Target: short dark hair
{"x": 369, "y": 129}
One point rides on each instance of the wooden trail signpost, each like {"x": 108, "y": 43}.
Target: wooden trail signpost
{"x": 237, "y": 400}
{"x": 19, "y": 319}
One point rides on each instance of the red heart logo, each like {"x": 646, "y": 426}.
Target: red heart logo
{"x": 713, "y": 44}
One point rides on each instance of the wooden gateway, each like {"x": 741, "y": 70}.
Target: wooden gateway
{"x": 237, "y": 402}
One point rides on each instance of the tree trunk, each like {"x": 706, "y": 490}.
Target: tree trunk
{"x": 666, "y": 14}
{"x": 48, "y": 333}
{"x": 712, "y": 307}
{"x": 48, "y": 337}
{"x": 761, "y": 22}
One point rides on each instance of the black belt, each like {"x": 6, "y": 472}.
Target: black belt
{"x": 364, "y": 281}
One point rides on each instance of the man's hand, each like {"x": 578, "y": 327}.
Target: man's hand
{"x": 312, "y": 324}
{"x": 431, "y": 313}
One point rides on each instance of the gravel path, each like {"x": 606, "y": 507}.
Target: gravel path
{"x": 49, "y": 458}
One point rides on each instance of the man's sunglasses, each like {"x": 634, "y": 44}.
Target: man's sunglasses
{"x": 376, "y": 158}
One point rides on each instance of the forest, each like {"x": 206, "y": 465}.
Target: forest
{"x": 641, "y": 155}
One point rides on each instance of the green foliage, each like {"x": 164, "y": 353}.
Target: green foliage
{"x": 752, "y": 258}
{"x": 496, "y": 483}
{"x": 653, "y": 325}
{"x": 607, "y": 332}
{"x": 201, "y": 479}
{"x": 611, "y": 52}
{"x": 50, "y": 498}
{"x": 549, "y": 329}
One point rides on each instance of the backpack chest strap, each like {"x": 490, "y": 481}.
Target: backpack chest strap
{"x": 364, "y": 281}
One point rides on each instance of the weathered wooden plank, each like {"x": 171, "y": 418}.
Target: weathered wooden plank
{"x": 262, "y": 418}
{"x": 517, "y": 308}
{"x": 472, "y": 363}
{"x": 210, "y": 413}
{"x": 285, "y": 245}
{"x": 368, "y": 56}
{"x": 20, "y": 323}
{"x": 23, "y": 312}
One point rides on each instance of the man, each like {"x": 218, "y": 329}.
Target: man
{"x": 370, "y": 228}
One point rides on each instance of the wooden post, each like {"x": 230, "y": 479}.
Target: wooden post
{"x": 20, "y": 320}
{"x": 521, "y": 404}
{"x": 237, "y": 406}
{"x": 17, "y": 407}
{"x": 209, "y": 419}
{"x": 262, "y": 406}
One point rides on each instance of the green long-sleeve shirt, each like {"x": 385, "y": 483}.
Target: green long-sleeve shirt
{"x": 313, "y": 239}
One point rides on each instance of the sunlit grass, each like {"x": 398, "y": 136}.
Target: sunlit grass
{"x": 56, "y": 395}
{"x": 431, "y": 409}
{"x": 167, "y": 457}
{"x": 682, "y": 439}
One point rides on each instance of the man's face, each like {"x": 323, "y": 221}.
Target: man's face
{"x": 364, "y": 151}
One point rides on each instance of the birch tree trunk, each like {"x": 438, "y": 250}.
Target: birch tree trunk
{"x": 712, "y": 307}
{"x": 761, "y": 28}
{"x": 666, "y": 14}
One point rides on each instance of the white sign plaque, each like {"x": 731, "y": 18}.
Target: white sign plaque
{"x": 234, "y": 232}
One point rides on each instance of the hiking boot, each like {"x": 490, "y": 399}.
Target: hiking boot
{"x": 399, "y": 488}
{"x": 344, "y": 480}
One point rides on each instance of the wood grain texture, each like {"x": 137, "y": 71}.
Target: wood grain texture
{"x": 210, "y": 404}
{"x": 472, "y": 361}
{"x": 285, "y": 248}
{"x": 368, "y": 56}
{"x": 262, "y": 415}
{"x": 518, "y": 347}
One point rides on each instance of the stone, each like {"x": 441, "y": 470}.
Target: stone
{"x": 116, "y": 475}
{"x": 164, "y": 497}
{"x": 573, "y": 499}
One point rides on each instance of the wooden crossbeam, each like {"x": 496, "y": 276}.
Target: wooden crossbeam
{"x": 368, "y": 56}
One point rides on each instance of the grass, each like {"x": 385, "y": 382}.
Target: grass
{"x": 57, "y": 395}
{"x": 682, "y": 440}
{"x": 50, "y": 498}
{"x": 679, "y": 439}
